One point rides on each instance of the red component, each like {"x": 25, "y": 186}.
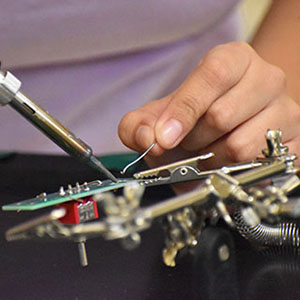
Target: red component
{"x": 79, "y": 211}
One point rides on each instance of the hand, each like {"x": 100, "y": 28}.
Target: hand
{"x": 225, "y": 106}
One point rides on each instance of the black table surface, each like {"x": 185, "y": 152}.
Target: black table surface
{"x": 51, "y": 270}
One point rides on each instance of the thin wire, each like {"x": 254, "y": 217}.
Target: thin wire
{"x": 138, "y": 159}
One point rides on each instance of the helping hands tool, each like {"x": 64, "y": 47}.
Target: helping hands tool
{"x": 260, "y": 213}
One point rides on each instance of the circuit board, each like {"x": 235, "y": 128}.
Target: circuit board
{"x": 64, "y": 195}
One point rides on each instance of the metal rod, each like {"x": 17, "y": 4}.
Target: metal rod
{"x": 199, "y": 195}
{"x": 82, "y": 254}
{"x": 261, "y": 173}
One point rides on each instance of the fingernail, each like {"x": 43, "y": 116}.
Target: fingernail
{"x": 144, "y": 136}
{"x": 171, "y": 132}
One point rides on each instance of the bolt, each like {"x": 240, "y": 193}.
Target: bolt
{"x": 223, "y": 252}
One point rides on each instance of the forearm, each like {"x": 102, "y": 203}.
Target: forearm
{"x": 278, "y": 41}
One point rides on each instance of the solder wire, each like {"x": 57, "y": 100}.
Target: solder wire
{"x": 138, "y": 159}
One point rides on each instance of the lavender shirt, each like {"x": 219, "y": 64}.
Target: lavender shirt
{"x": 90, "y": 64}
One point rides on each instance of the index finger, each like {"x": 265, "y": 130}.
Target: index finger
{"x": 220, "y": 70}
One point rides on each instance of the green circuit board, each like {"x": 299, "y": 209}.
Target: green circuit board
{"x": 64, "y": 195}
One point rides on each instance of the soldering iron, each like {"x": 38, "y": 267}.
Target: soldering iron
{"x": 10, "y": 94}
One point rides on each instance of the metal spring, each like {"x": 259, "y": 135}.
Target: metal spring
{"x": 285, "y": 258}
{"x": 283, "y": 234}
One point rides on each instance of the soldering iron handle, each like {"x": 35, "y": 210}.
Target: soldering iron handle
{"x": 41, "y": 119}
{"x": 10, "y": 94}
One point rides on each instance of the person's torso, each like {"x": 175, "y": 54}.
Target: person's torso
{"x": 90, "y": 64}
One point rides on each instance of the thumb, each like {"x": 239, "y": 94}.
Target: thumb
{"x": 136, "y": 129}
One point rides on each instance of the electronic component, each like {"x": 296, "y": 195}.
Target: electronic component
{"x": 79, "y": 211}
{"x": 66, "y": 194}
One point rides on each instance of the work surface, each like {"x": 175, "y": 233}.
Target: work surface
{"x": 38, "y": 270}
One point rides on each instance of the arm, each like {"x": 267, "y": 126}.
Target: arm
{"x": 278, "y": 41}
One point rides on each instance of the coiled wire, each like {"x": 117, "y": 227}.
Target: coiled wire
{"x": 283, "y": 234}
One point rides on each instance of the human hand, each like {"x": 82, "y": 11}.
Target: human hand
{"x": 225, "y": 106}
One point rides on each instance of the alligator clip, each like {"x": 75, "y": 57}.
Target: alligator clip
{"x": 183, "y": 170}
